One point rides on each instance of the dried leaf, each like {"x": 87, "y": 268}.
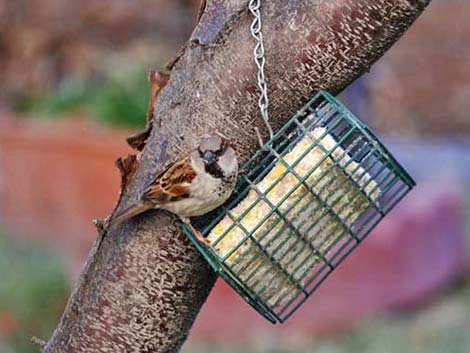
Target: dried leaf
{"x": 157, "y": 80}
{"x": 138, "y": 140}
{"x": 172, "y": 62}
{"x": 128, "y": 167}
{"x": 202, "y": 7}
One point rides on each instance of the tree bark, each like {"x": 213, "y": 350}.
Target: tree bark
{"x": 144, "y": 283}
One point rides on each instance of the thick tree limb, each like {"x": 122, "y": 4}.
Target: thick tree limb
{"x": 144, "y": 283}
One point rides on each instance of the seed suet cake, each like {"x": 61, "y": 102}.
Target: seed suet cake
{"x": 322, "y": 209}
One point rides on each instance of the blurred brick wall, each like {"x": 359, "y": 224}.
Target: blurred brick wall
{"x": 55, "y": 178}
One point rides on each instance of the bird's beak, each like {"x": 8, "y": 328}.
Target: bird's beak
{"x": 208, "y": 157}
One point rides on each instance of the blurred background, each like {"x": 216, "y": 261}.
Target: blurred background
{"x": 73, "y": 86}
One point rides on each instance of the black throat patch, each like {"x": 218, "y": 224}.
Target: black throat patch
{"x": 214, "y": 170}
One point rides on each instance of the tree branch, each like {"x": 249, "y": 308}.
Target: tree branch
{"x": 144, "y": 283}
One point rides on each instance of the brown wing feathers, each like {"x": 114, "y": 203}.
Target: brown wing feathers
{"x": 172, "y": 184}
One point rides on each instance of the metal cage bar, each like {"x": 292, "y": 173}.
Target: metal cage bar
{"x": 306, "y": 222}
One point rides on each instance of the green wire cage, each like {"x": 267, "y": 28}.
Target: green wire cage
{"x": 310, "y": 196}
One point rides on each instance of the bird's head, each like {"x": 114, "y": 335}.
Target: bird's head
{"x": 218, "y": 157}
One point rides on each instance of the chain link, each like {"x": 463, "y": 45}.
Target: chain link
{"x": 258, "y": 53}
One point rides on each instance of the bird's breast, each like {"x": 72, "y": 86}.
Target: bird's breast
{"x": 206, "y": 194}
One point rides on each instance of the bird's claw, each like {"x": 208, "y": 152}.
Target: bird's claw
{"x": 198, "y": 235}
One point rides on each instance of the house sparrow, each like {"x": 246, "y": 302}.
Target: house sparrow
{"x": 191, "y": 186}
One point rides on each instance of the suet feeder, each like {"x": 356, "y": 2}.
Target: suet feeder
{"x": 309, "y": 197}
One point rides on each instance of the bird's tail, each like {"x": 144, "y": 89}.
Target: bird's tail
{"x": 128, "y": 213}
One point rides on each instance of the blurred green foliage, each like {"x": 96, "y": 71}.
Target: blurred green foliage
{"x": 117, "y": 99}
{"x": 33, "y": 292}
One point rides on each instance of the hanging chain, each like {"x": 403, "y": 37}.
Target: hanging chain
{"x": 263, "y": 103}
